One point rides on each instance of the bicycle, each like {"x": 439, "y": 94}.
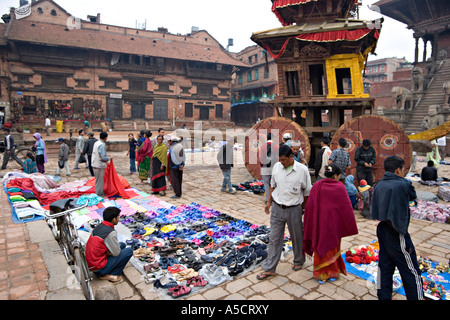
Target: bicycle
{"x": 67, "y": 236}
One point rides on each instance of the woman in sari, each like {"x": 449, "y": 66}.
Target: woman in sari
{"x": 144, "y": 157}
{"x": 328, "y": 218}
{"x": 41, "y": 152}
{"x": 159, "y": 167}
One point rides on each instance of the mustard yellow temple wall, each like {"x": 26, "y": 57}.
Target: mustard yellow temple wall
{"x": 355, "y": 63}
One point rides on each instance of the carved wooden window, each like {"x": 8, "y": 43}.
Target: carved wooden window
{"x": 292, "y": 83}
{"x": 317, "y": 79}
{"x": 343, "y": 81}
{"x": 188, "y": 110}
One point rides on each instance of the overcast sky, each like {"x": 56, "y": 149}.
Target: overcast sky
{"x": 236, "y": 19}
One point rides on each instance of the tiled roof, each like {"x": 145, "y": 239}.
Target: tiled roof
{"x": 59, "y": 35}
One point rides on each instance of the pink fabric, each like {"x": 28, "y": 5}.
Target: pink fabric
{"x": 328, "y": 217}
{"x": 145, "y": 151}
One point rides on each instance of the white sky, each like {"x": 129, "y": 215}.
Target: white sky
{"x": 236, "y": 19}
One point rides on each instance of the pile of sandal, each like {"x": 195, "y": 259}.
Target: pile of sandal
{"x": 185, "y": 248}
{"x": 257, "y": 186}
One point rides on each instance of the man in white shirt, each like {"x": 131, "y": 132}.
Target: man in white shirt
{"x": 290, "y": 188}
{"x": 47, "y": 125}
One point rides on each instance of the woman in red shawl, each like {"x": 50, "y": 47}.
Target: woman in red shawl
{"x": 144, "y": 157}
{"x": 328, "y": 218}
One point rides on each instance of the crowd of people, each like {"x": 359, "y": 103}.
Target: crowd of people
{"x": 327, "y": 209}
{"x": 318, "y": 215}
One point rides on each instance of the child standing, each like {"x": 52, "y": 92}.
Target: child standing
{"x": 132, "y": 152}
{"x": 29, "y": 165}
{"x": 63, "y": 155}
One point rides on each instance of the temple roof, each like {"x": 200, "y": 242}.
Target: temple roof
{"x": 289, "y": 12}
{"x": 416, "y": 14}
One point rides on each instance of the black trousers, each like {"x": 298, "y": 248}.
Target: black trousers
{"x": 12, "y": 154}
{"x": 89, "y": 159}
{"x": 366, "y": 175}
{"x": 397, "y": 250}
{"x": 176, "y": 178}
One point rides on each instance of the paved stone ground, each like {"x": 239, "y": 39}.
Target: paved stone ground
{"x": 26, "y": 273}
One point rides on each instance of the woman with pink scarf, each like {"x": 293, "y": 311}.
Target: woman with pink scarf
{"x": 41, "y": 152}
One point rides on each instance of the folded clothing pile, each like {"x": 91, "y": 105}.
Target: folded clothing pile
{"x": 429, "y": 210}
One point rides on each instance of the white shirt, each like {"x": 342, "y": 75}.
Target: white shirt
{"x": 47, "y": 122}
{"x": 290, "y": 186}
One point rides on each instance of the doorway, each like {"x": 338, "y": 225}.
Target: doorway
{"x": 204, "y": 113}
{"x": 161, "y": 110}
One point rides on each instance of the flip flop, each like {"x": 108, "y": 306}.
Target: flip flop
{"x": 297, "y": 267}
{"x": 264, "y": 275}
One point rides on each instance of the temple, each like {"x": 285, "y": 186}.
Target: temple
{"x": 430, "y": 85}
{"x": 321, "y": 51}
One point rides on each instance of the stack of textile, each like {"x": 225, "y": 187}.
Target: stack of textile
{"x": 429, "y": 210}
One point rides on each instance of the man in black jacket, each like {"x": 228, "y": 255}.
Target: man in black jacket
{"x": 429, "y": 173}
{"x": 10, "y": 149}
{"x": 390, "y": 206}
{"x": 87, "y": 150}
{"x": 365, "y": 157}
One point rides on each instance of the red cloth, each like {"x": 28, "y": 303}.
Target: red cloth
{"x": 45, "y": 198}
{"x": 328, "y": 217}
{"x": 113, "y": 184}
{"x": 339, "y": 35}
{"x": 280, "y": 4}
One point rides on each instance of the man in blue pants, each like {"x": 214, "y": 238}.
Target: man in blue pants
{"x": 390, "y": 205}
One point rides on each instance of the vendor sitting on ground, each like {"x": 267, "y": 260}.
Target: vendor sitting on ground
{"x": 429, "y": 173}
{"x": 105, "y": 256}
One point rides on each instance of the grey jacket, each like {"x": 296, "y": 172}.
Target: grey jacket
{"x": 63, "y": 152}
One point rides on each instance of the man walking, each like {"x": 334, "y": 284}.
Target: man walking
{"x": 365, "y": 157}
{"x": 48, "y": 123}
{"x": 176, "y": 165}
{"x": 290, "y": 187}
{"x": 87, "y": 150}
{"x": 99, "y": 160}
{"x": 63, "y": 155}
{"x": 10, "y": 149}
{"x": 79, "y": 146}
{"x": 390, "y": 205}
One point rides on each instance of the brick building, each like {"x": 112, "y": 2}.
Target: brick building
{"x": 74, "y": 69}
{"x": 382, "y": 75}
{"x": 254, "y": 86}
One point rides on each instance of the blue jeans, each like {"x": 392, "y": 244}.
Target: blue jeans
{"x": 226, "y": 179}
{"x": 132, "y": 164}
{"x": 115, "y": 265}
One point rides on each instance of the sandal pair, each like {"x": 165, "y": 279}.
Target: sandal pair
{"x": 179, "y": 291}
{"x": 197, "y": 282}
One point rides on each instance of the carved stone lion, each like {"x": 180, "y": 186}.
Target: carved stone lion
{"x": 417, "y": 79}
{"x": 402, "y": 98}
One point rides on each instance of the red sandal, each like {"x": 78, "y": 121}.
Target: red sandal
{"x": 179, "y": 291}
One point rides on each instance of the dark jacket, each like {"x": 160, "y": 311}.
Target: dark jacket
{"x": 318, "y": 164}
{"x": 429, "y": 174}
{"x": 11, "y": 142}
{"x": 225, "y": 156}
{"x": 390, "y": 202}
{"x": 88, "y": 146}
{"x": 365, "y": 156}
